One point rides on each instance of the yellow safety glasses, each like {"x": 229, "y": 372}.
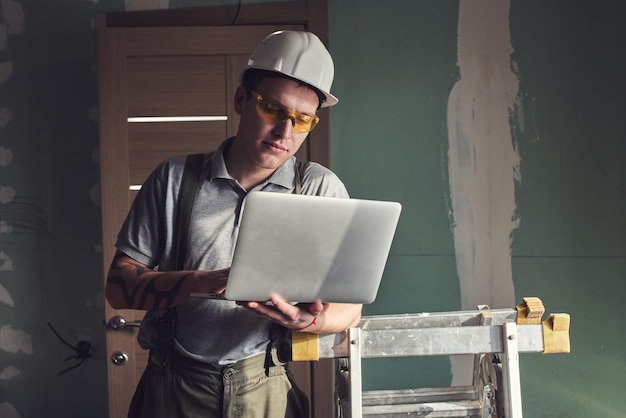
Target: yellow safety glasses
{"x": 275, "y": 112}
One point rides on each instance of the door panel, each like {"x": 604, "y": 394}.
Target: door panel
{"x": 150, "y": 72}
{"x": 161, "y": 86}
{"x": 151, "y": 143}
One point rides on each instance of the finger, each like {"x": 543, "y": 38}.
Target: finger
{"x": 284, "y": 307}
{"x": 316, "y": 308}
{"x": 263, "y": 309}
{"x": 283, "y": 312}
{"x": 248, "y": 304}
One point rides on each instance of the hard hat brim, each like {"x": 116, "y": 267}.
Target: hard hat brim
{"x": 330, "y": 100}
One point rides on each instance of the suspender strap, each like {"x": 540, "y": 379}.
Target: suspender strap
{"x": 186, "y": 198}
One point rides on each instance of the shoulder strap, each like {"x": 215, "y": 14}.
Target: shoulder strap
{"x": 184, "y": 205}
{"x": 186, "y": 198}
{"x": 300, "y": 167}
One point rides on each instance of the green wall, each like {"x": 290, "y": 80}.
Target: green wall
{"x": 397, "y": 65}
{"x": 571, "y": 248}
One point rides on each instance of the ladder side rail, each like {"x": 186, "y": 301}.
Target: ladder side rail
{"x": 511, "y": 372}
{"x": 407, "y": 342}
{"x": 437, "y": 319}
{"x": 356, "y": 388}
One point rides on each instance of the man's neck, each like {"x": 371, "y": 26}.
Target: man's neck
{"x": 244, "y": 171}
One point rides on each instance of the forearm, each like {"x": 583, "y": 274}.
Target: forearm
{"x": 132, "y": 285}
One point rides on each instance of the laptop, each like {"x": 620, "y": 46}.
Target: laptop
{"x": 309, "y": 248}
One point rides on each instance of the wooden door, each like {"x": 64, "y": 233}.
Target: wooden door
{"x": 158, "y": 72}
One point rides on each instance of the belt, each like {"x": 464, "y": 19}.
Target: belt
{"x": 168, "y": 356}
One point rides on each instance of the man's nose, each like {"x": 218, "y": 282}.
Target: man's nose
{"x": 285, "y": 127}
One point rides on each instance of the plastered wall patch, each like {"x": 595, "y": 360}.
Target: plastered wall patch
{"x": 9, "y": 373}
{"x": 5, "y": 116}
{"x": 8, "y": 411}
{"x": 15, "y": 341}
{"x": 6, "y": 156}
{"x": 7, "y": 194}
{"x": 6, "y": 263}
{"x": 13, "y": 16}
{"x": 483, "y": 162}
{"x": 5, "y": 298}
{"x": 5, "y": 228}
{"x": 6, "y": 70}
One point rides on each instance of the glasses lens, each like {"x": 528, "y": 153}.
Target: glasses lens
{"x": 277, "y": 113}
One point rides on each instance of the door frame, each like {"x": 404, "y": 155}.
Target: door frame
{"x": 316, "y": 378}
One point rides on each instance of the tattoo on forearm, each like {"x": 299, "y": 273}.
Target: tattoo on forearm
{"x": 151, "y": 290}
{"x": 139, "y": 297}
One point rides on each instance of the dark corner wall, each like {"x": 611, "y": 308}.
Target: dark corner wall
{"x": 497, "y": 124}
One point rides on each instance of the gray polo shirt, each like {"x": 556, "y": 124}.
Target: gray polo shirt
{"x": 213, "y": 331}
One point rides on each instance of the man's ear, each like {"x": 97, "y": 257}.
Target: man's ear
{"x": 240, "y": 99}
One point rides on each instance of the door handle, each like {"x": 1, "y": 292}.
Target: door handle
{"x": 119, "y": 358}
{"x": 118, "y": 322}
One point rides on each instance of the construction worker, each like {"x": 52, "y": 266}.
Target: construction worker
{"x": 216, "y": 358}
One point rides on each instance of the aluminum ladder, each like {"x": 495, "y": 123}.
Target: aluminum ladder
{"x": 495, "y": 338}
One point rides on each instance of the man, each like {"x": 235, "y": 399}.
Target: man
{"x": 215, "y": 358}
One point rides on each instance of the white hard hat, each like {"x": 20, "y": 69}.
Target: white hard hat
{"x": 299, "y": 55}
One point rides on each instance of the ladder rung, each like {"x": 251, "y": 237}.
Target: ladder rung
{"x": 421, "y": 395}
{"x": 429, "y": 409}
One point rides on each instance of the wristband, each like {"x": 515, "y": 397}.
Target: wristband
{"x": 313, "y": 322}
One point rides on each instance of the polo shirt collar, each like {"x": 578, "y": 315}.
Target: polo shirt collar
{"x": 283, "y": 176}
